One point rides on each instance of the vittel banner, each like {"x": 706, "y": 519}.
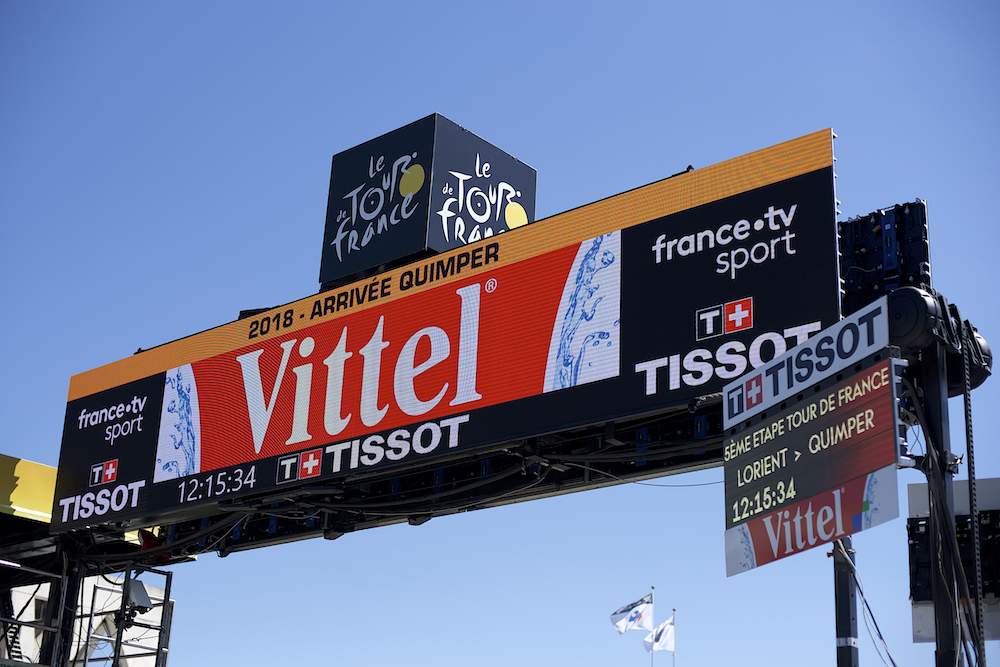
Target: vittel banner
{"x": 431, "y": 185}
{"x": 630, "y": 305}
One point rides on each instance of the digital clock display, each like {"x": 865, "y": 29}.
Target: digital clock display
{"x": 218, "y": 484}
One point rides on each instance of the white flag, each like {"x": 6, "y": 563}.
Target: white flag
{"x": 662, "y": 638}
{"x": 638, "y": 615}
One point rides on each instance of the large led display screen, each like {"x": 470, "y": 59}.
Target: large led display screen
{"x": 623, "y": 307}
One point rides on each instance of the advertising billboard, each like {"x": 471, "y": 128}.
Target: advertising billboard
{"x": 431, "y": 185}
{"x": 627, "y": 306}
{"x": 820, "y": 469}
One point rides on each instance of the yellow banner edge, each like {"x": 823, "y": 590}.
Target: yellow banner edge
{"x": 628, "y": 209}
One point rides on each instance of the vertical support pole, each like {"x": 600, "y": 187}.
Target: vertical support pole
{"x": 166, "y": 619}
{"x": 934, "y": 374}
{"x": 122, "y": 618}
{"x": 64, "y": 593}
{"x": 845, "y": 603}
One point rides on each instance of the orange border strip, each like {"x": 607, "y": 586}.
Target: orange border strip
{"x": 659, "y": 199}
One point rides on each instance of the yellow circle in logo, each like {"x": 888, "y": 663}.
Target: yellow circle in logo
{"x": 412, "y": 180}
{"x": 515, "y": 216}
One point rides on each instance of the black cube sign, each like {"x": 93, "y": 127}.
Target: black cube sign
{"x": 431, "y": 185}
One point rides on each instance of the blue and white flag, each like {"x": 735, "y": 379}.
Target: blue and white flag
{"x": 662, "y": 638}
{"x": 637, "y": 616}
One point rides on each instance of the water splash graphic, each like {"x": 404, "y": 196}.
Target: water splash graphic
{"x": 178, "y": 450}
{"x": 584, "y": 345}
{"x": 740, "y": 555}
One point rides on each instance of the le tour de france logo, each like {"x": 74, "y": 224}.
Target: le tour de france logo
{"x": 379, "y": 203}
{"x": 478, "y": 205}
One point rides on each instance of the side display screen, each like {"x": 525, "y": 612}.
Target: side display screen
{"x": 817, "y": 471}
{"x": 626, "y": 306}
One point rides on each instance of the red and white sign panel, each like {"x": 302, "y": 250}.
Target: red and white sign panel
{"x": 818, "y": 471}
{"x": 587, "y": 317}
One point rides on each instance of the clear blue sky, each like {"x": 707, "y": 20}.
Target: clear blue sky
{"x": 165, "y": 165}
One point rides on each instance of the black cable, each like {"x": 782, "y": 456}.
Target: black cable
{"x": 374, "y": 508}
{"x": 965, "y": 331}
{"x": 226, "y": 524}
{"x": 665, "y": 450}
{"x": 408, "y": 501}
{"x": 861, "y": 590}
{"x": 632, "y": 481}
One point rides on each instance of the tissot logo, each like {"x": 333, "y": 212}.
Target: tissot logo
{"x": 725, "y": 318}
{"x": 755, "y": 391}
{"x": 106, "y": 500}
{"x": 104, "y": 473}
{"x": 310, "y": 463}
{"x": 293, "y": 467}
{"x": 729, "y": 360}
{"x": 830, "y": 351}
{"x": 745, "y": 396}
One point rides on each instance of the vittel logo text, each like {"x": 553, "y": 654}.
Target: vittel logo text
{"x": 436, "y": 346}
{"x": 789, "y": 533}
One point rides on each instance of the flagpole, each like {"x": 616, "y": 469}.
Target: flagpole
{"x": 675, "y": 637}
{"x": 652, "y": 621}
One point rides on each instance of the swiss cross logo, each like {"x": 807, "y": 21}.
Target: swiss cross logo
{"x": 288, "y": 469}
{"x": 110, "y": 471}
{"x": 310, "y": 463}
{"x": 724, "y": 318}
{"x": 104, "y": 473}
{"x": 739, "y": 315}
{"x": 754, "y": 389}
{"x": 293, "y": 467}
